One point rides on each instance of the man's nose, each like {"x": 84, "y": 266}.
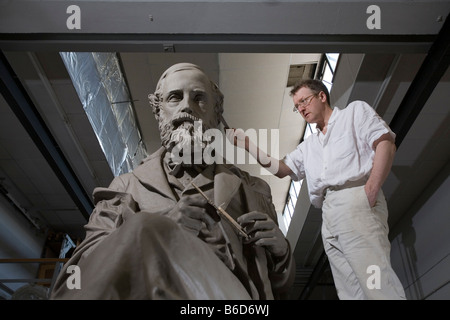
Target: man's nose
{"x": 301, "y": 108}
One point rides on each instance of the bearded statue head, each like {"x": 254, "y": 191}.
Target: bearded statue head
{"x": 185, "y": 103}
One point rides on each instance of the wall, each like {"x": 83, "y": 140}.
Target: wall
{"x": 420, "y": 249}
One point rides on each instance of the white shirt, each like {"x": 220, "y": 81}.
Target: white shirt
{"x": 344, "y": 154}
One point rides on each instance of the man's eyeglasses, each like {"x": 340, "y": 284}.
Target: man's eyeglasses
{"x": 304, "y": 102}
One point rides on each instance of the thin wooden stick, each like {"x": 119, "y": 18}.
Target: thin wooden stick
{"x": 222, "y": 213}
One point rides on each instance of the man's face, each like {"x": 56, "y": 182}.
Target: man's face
{"x": 187, "y": 98}
{"x": 309, "y": 104}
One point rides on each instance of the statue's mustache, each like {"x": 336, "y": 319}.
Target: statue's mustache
{"x": 184, "y": 117}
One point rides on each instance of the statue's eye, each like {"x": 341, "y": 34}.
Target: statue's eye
{"x": 200, "y": 97}
{"x": 174, "y": 97}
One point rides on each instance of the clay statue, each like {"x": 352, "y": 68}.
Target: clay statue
{"x": 152, "y": 235}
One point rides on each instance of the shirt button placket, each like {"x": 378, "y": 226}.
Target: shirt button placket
{"x": 325, "y": 163}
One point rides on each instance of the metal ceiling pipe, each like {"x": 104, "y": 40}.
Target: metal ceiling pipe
{"x": 23, "y": 107}
{"x": 431, "y": 71}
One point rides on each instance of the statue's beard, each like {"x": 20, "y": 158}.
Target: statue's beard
{"x": 184, "y": 131}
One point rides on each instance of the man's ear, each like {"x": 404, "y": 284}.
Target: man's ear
{"x": 322, "y": 96}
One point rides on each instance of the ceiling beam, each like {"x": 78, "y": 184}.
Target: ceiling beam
{"x": 344, "y": 17}
{"x": 213, "y": 43}
{"x": 221, "y": 26}
{"x": 23, "y": 107}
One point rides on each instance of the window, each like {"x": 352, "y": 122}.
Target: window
{"x": 327, "y": 74}
{"x": 101, "y": 87}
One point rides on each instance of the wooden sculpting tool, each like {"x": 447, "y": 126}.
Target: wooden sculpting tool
{"x": 223, "y": 213}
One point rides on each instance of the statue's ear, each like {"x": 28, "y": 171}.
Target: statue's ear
{"x": 154, "y": 101}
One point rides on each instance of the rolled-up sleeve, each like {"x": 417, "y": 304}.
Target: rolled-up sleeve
{"x": 369, "y": 124}
{"x": 294, "y": 160}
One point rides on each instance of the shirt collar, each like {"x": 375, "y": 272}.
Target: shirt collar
{"x": 331, "y": 120}
{"x": 333, "y": 115}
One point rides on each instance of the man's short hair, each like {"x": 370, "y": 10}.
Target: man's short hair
{"x": 314, "y": 85}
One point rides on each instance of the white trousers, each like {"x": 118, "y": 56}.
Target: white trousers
{"x": 355, "y": 238}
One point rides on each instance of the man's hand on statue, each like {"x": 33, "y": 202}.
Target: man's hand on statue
{"x": 193, "y": 212}
{"x": 236, "y": 136}
{"x": 263, "y": 231}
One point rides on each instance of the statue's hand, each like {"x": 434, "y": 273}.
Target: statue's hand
{"x": 263, "y": 231}
{"x": 193, "y": 213}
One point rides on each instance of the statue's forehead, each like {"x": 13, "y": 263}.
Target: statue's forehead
{"x": 177, "y": 68}
{"x": 186, "y": 79}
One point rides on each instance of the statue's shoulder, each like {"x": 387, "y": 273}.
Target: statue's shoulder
{"x": 255, "y": 183}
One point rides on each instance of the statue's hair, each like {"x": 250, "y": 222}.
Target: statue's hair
{"x": 155, "y": 99}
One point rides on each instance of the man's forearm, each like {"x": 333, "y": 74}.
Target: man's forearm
{"x": 273, "y": 165}
{"x": 263, "y": 158}
{"x": 382, "y": 163}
